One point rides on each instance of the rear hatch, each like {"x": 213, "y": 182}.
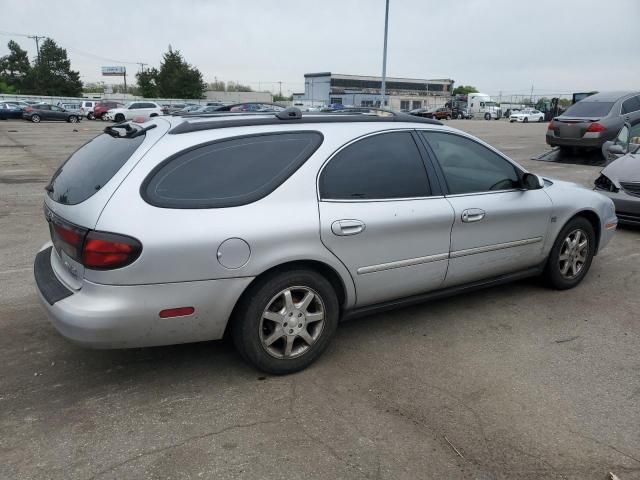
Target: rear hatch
{"x": 578, "y": 118}
{"x": 81, "y": 188}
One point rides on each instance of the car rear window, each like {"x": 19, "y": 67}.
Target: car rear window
{"x": 90, "y": 168}
{"x": 229, "y": 173}
{"x": 588, "y": 109}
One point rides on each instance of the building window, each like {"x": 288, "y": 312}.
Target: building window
{"x": 404, "y": 104}
{"x": 366, "y": 103}
{"x": 336, "y": 100}
{"x": 416, "y": 104}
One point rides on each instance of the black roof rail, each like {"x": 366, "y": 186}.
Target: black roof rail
{"x": 293, "y": 115}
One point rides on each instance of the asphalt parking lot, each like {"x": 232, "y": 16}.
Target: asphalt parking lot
{"x": 515, "y": 382}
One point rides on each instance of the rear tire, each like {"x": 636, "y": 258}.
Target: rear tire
{"x": 571, "y": 255}
{"x": 541, "y": 119}
{"x": 119, "y": 118}
{"x": 448, "y": 117}
{"x": 91, "y": 116}
{"x": 460, "y": 116}
{"x": 487, "y": 116}
{"x": 526, "y": 120}
{"x": 262, "y": 327}
{"x": 35, "y": 118}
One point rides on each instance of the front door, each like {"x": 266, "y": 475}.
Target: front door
{"x": 384, "y": 219}
{"x": 58, "y": 113}
{"x": 499, "y": 227}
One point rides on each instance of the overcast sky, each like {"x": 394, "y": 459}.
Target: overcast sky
{"x": 498, "y": 45}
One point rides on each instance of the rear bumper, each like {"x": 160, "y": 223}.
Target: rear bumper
{"x": 584, "y": 142}
{"x": 109, "y": 316}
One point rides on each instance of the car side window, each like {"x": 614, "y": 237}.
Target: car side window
{"x": 134, "y": 106}
{"x": 470, "y": 167}
{"x": 56, "y": 109}
{"x": 631, "y": 105}
{"x": 230, "y": 172}
{"x": 384, "y": 166}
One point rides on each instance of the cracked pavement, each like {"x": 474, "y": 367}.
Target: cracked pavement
{"x": 524, "y": 382}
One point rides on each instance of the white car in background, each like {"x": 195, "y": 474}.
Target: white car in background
{"x": 527, "y": 115}
{"x": 137, "y": 111}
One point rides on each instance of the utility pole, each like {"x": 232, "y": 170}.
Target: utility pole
{"x": 37, "y": 39}
{"x": 280, "y": 83}
{"x": 384, "y": 55}
{"x": 531, "y": 98}
{"x": 142, "y": 66}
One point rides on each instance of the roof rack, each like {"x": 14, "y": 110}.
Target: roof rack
{"x": 293, "y": 115}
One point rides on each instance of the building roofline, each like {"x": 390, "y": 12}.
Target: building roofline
{"x": 375, "y": 78}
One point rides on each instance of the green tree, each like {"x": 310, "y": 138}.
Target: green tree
{"x": 464, "y": 90}
{"x": 216, "y": 86}
{"x": 564, "y": 102}
{"x": 282, "y": 98}
{"x": 14, "y": 67}
{"x": 148, "y": 83}
{"x": 4, "y": 88}
{"x": 52, "y": 74}
{"x": 238, "y": 87}
{"x": 177, "y": 79}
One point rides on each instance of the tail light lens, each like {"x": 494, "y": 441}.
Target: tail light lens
{"x": 550, "y": 126}
{"x": 28, "y": 109}
{"x": 104, "y": 251}
{"x": 595, "y": 127}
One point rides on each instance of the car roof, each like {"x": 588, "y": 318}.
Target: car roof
{"x": 290, "y": 116}
{"x": 608, "y": 96}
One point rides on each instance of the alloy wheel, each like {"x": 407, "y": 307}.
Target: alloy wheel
{"x": 292, "y": 322}
{"x": 573, "y": 254}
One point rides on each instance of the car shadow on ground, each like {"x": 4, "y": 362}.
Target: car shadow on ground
{"x": 591, "y": 157}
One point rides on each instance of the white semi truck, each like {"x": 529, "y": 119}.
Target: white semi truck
{"x": 482, "y": 106}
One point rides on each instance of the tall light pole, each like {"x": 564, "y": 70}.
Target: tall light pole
{"x": 384, "y": 55}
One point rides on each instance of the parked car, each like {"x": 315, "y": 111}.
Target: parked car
{"x": 10, "y": 110}
{"x": 627, "y": 141}
{"x": 266, "y": 226}
{"x": 103, "y": 106}
{"x": 170, "y": 109}
{"x": 200, "y": 110}
{"x": 594, "y": 120}
{"x": 527, "y": 115}
{"x": 70, "y": 107}
{"x": 87, "y": 107}
{"x": 461, "y": 113}
{"x": 442, "y": 113}
{"x": 422, "y": 112}
{"x": 43, "y": 111}
{"x": 620, "y": 181}
{"x": 142, "y": 110}
{"x": 187, "y": 109}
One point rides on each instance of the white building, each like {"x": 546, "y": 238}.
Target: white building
{"x": 327, "y": 88}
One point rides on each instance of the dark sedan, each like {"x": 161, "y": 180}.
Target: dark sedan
{"x": 10, "y": 110}
{"x": 594, "y": 120}
{"x": 44, "y": 111}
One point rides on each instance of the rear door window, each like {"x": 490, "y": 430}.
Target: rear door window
{"x": 631, "y": 105}
{"x": 91, "y": 167}
{"x": 383, "y": 166}
{"x": 586, "y": 108}
{"x": 229, "y": 173}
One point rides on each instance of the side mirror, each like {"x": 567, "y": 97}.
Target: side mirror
{"x": 616, "y": 149}
{"x": 532, "y": 182}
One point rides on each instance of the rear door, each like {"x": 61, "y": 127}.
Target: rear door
{"x": 382, "y": 214}
{"x": 498, "y": 227}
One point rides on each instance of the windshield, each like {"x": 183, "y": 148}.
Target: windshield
{"x": 589, "y": 109}
{"x": 91, "y": 167}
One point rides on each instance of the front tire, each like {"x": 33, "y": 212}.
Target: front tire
{"x": 285, "y": 321}
{"x": 119, "y": 118}
{"x": 526, "y": 120}
{"x": 35, "y": 118}
{"x": 91, "y": 116}
{"x": 571, "y": 255}
{"x": 460, "y": 116}
{"x": 73, "y": 119}
{"x": 487, "y": 116}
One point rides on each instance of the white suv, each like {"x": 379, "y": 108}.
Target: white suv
{"x": 86, "y": 108}
{"x": 138, "y": 111}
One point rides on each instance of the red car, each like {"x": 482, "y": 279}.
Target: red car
{"x": 103, "y": 107}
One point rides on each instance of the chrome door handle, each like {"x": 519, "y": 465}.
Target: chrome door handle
{"x": 347, "y": 227}
{"x": 473, "y": 215}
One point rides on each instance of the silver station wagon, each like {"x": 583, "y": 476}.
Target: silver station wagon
{"x": 270, "y": 228}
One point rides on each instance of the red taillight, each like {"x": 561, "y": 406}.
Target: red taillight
{"x": 176, "y": 312}
{"x": 28, "y": 109}
{"x": 109, "y": 250}
{"x": 70, "y": 236}
{"x": 550, "y": 126}
{"x": 595, "y": 127}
